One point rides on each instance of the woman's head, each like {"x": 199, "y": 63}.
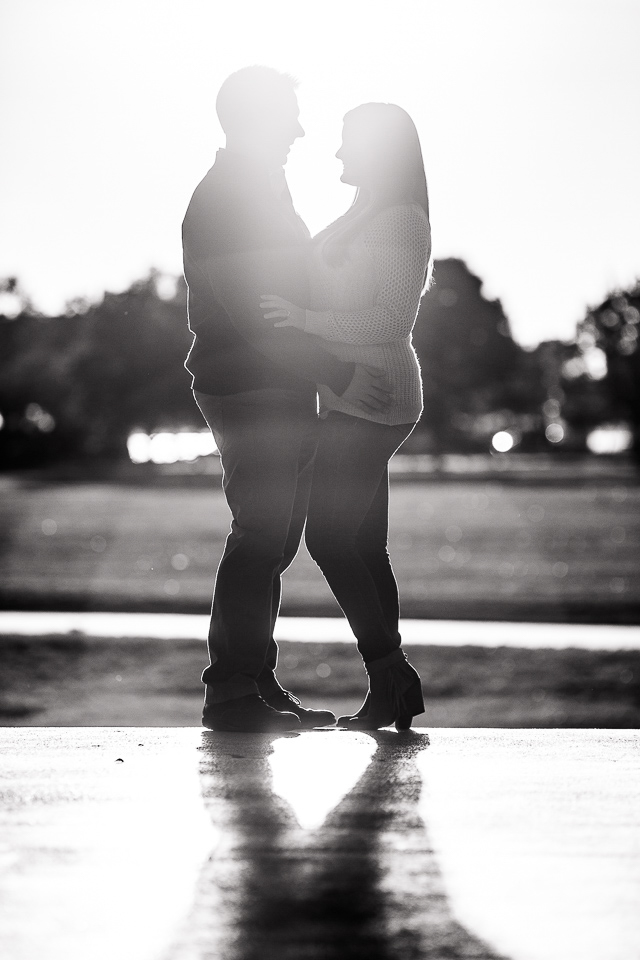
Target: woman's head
{"x": 381, "y": 154}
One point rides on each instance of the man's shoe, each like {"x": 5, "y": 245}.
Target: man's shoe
{"x": 283, "y": 700}
{"x": 248, "y": 714}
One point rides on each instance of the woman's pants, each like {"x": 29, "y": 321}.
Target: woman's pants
{"x": 347, "y": 525}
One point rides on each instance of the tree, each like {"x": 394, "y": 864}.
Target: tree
{"x": 614, "y": 328}
{"x": 466, "y": 352}
{"x": 78, "y": 384}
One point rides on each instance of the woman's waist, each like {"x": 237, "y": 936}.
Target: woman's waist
{"x": 361, "y": 352}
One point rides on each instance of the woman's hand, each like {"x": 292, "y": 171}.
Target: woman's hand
{"x": 277, "y": 307}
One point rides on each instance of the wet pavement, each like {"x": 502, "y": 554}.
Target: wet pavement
{"x": 181, "y": 844}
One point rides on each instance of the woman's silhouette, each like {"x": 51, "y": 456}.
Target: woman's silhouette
{"x": 368, "y": 271}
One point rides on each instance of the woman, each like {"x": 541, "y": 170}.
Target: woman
{"x": 368, "y": 272}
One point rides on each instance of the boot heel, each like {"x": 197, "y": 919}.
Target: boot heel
{"x": 395, "y": 694}
{"x": 412, "y": 705}
{"x": 412, "y": 700}
{"x": 404, "y": 722}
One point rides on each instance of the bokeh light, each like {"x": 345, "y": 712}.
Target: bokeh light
{"x": 502, "y": 441}
{"x": 610, "y": 438}
{"x": 167, "y": 447}
{"x": 554, "y": 432}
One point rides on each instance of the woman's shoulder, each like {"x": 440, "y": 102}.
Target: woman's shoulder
{"x": 405, "y": 212}
{"x": 398, "y": 221}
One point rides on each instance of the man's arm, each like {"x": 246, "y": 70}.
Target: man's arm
{"x": 236, "y": 281}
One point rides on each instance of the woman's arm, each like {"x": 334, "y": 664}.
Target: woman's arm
{"x": 398, "y": 241}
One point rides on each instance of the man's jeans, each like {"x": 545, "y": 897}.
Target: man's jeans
{"x": 267, "y": 440}
{"x": 347, "y": 526}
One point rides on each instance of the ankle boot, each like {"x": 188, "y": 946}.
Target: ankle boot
{"x": 395, "y": 694}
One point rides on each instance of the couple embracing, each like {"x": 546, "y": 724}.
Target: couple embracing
{"x": 304, "y": 369}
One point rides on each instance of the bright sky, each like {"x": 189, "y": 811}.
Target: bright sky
{"x": 527, "y": 110}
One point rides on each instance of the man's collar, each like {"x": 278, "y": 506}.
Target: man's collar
{"x": 254, "y": 168}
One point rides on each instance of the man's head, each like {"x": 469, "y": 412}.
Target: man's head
{"x": 258, "y": 111}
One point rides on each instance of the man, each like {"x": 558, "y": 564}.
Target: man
{"x": 256, "y": 387}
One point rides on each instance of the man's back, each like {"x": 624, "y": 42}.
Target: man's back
{"x": 240, "y": 240}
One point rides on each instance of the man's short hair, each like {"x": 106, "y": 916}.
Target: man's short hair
{"x": 248, "y": 93}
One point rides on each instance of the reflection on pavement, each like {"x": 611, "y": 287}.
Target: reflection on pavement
{"x": 308, "y": 870}
{"x": 313, "y": 781}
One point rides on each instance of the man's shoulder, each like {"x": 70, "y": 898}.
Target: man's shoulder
{"x": 231, "y": 210}
{"x": 214, "y": 190}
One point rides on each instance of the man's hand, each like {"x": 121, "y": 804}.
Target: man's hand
{"x": 369, "y": 389}
{"x": 288, "y": 313}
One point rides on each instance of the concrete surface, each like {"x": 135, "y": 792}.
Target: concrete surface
{"x": 180, "y": 844}
{"x": 184, "y": 626}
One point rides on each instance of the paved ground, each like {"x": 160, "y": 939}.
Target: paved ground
{"x": 177, "y": 626}
{"x": 152, "y": 844}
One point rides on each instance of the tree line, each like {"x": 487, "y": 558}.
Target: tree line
{"x": 75, "y": 386}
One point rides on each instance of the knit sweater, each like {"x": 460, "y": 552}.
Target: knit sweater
{"x": 365, "y": 308}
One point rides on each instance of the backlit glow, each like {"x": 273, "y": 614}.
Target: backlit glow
{"x": 162, "y": 109}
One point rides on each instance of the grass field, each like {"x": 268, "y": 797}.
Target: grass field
{"x": 76, "y": 681}
{"x": 475, "y": 550}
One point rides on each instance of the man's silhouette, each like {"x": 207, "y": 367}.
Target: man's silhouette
{"x": 256, "y": 387}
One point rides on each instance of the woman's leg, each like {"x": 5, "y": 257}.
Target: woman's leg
{"x": 346, "y": 530}
{"x": 372, "y": 544}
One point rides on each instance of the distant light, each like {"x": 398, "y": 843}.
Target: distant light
{"x": 39, "y": 418}
{"x": 1, "y": 421}
{"x": 554, "y": 433}
{"x": 611, "y": 438}
{"x": 167, "y": 447}
{"x": 138, "y": 448}
{"x": 595, "y": 361}
{"x": 166, "y": 287}
{"x": 10, "y": 305}
{"x": 574, "y": 368}
{"x": 502, "y": 441}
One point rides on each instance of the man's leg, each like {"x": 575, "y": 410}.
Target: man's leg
{"x": 270, "y": 690}
{"x": 262, "y": 436}
{"x": 294, "y": 537}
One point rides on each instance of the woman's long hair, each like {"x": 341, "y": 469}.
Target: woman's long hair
{"x": 389, "y": 134}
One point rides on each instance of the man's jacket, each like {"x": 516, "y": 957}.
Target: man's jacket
{"x": 241, "y": 240}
